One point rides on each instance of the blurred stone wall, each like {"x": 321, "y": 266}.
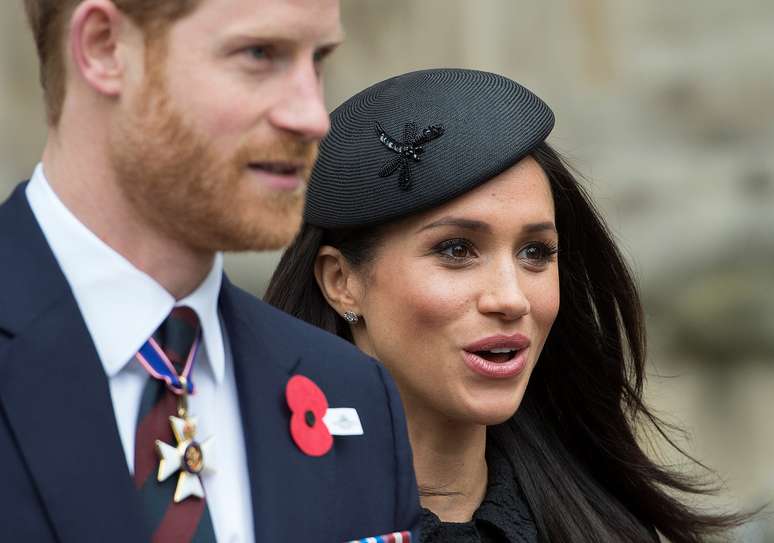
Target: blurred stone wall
{"x": 667, "y": 108}
{"x": 22, "y": 120}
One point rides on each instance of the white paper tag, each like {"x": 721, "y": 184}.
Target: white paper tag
{"x": 343, "y": 421}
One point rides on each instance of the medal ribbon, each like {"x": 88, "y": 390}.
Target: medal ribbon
{"x": 159, "y": 366}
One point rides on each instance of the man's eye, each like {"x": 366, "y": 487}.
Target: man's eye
{"x": 258, "y": 52}
{"x": 321, "y": 54}
{"x": 320, "y": 58}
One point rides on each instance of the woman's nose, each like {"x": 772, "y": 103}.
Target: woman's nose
{"x": 502, "y": 295}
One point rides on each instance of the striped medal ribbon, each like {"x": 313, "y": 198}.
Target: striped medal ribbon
{"x": 166, "y": 433}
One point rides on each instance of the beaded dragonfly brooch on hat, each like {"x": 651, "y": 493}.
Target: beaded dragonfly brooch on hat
{"x": 409, "y": 150}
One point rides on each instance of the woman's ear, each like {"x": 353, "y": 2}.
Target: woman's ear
{"x": 337, "y": 281}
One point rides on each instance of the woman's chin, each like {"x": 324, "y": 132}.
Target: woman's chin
{"x": 490, "y": 413}
{"x": 491, "y": 405}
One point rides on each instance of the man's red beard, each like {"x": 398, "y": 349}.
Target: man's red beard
{"x": 177, "y": 182}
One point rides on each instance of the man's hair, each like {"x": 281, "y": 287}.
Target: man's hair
{"x": 48, "y": 19}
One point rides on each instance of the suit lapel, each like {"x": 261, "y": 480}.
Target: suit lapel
{"x": 55, "y": 395}
{"x": 283, "y": 480}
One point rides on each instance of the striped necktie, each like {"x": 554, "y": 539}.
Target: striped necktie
{"x": 188, "y": 520}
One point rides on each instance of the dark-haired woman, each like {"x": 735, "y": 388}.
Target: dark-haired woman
{"x": 440, "y": 233}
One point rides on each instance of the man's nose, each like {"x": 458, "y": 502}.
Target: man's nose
{"x": 301, "y": 108}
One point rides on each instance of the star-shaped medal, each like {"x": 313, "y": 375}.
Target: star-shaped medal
{"x": 190, "y": 458}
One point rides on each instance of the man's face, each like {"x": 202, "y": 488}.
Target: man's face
{"x": 214, "y": 139}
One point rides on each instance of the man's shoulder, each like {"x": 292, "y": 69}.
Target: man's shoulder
{"x": 30, "y": 278}
{"x": 15, "y": 202}
{"x": 16, "y": 219}
{"x": 298, "y": 336}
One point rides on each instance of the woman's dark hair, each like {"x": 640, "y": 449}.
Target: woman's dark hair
{"x": 572, "y": 443}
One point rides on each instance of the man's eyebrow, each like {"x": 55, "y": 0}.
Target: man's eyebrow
{"x": 467, "y": 224}
{"x": 334, "y": 40}
{"x": 261, "y": 35}
{"x": 326, "y": 49}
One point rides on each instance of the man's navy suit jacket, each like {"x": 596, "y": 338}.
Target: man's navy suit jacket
{"x": 63, "y": 473}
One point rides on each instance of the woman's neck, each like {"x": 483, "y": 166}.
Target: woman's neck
{"x": 450, "y": 464}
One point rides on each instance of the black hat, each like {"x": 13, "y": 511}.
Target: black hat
{"x": 420, "y": 139}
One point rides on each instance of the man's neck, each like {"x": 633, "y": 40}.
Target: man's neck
{"x": 450, "y": 464}
{"x": 87, "y": 186}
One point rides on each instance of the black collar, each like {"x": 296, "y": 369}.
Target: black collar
{"x": 503, "y": 516}
{"x": 504, "y": 506}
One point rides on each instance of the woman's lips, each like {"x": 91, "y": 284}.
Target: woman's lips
{"x": 497, "y": 357}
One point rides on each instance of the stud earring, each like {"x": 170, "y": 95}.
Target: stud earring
{"x": 351, "y": 317}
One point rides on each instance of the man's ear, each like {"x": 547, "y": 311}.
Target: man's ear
{"x": 340, "y": 286}
{"x": 93, "y": 40}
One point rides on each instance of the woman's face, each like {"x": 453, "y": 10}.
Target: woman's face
{"x": 459, "y": 300}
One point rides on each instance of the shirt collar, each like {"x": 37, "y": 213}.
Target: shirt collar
{"x": 121, "y": 305}
{"x": 204, "y": 300}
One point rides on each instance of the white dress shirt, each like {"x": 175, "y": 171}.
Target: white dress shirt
{"x": 122, "y": 307}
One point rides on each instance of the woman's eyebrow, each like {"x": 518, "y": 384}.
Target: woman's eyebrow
{"x": 467, "y": 224}
{"x": 480, "y": 226}
{"x": 534, "y": 228}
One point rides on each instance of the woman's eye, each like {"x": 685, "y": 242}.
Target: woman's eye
{"x": 538, "y": 253}
{"x": 458, "y": 251}
{"x": 455, "y": 250}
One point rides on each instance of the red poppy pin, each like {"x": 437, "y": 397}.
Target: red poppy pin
{"x": 308, "y": 406}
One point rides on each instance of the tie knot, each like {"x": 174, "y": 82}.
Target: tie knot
{"x": 177, "y": 334}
